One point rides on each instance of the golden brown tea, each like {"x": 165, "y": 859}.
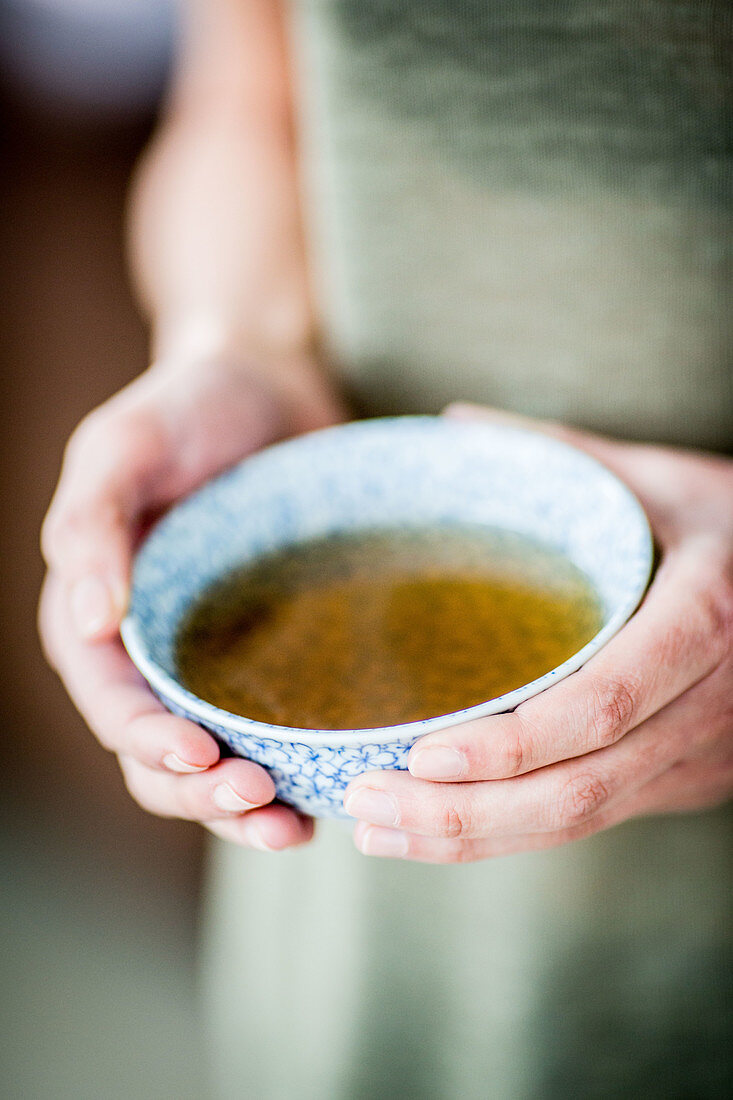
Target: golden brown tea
{"x": 383, "y": 627}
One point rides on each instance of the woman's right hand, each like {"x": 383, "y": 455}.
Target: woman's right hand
{"x": 155, "y": 441}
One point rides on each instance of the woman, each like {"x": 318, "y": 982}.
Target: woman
{"x": 510, "y": 204}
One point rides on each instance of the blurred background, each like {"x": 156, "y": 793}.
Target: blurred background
{"x": 98, "y": 903}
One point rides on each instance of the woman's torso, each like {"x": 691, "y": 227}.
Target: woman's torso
{"x": 523, "y": 203}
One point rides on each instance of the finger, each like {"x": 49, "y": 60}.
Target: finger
{"x": 700, "y": 783}
{"x": 373, "y": 840}
{"x": 270, "y": 829}
{"x": 88, "y": 532}
{"x": 562, "y": 796}
{"x": 148, "y": 445}
{"x": 611, "y": 452}
{"x": 679, "y": 490}
{"x": 232, "y": 786}
{"x": 543, "y": 802}
{"x": 114, "y": 699}
{"x": 673, "y": 642}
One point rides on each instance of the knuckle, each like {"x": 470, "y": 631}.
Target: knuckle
{"x": 90, "y": 434}
{"x": 61, "y": 527}
{"x": 514, "y": 754}
{"x": 452, "y": 822}
{"x": 612, "y": 711}
{"x": 54, "y": 532}
{"x": 108, "y": 730}
{"x": 119, "y": 435}
{"x": 65, "y": 516}
{"x": 80, "y": 529}
{"x": 581, "y": 799}
{"x": 102, "y": 733}
{"x": 106, "y": 740}
{"x": 109, "y": 442}
{"x": 67, "y": 526}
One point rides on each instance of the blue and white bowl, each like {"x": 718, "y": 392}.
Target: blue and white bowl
{"x": 375, "y": 474}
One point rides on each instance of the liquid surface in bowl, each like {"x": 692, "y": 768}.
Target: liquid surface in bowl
{"x": 383, "y": 627}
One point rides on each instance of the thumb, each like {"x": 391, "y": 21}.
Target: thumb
{"x": 151, "y": 443}
{"x": 621, "y": 457}
{"x": 112, "y": 468}
{"x": 88, "y": 534}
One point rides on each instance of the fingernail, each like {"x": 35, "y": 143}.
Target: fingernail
{"x": 383, "y": 842}
{"x": 376, "y": 807}
{"x": 437, "y": 762}
{"x": 227, "y": 799}
{"x": 92, "y": 606}
{"x": 175, "y": 764}
{"x": 255, "y": 839}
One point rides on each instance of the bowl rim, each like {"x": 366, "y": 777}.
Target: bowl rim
{"x": 197, "y": 709}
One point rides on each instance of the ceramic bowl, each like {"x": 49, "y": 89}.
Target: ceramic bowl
{"x": 376, "y": 474}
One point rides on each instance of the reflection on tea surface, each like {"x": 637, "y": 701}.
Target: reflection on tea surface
{"x": 382, "y": 627}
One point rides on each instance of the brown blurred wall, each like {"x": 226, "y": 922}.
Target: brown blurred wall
{"x": 70, "y": 337}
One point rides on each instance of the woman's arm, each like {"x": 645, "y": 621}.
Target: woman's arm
{"x": 216, "y": 238}
{"x": 219, "y": 262}
{"x": 645, "y": 727}
{"x": 216, "y": 235}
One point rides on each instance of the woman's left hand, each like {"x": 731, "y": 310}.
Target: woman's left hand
{"x": 645, "y": 727}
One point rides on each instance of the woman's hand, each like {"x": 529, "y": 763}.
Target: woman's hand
{"x": 158, "y": 439}
{"x": 645, "y": 727}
